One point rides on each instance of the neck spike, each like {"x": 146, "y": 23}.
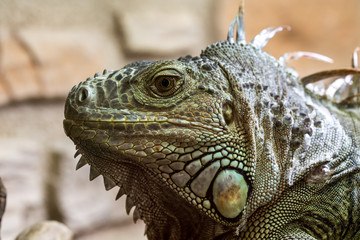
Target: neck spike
{"x": 240, "y": 29}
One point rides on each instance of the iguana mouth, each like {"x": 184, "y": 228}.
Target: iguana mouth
{"x": 139, "y": 193}
{"x": 229, "y": 188}
{"x": 103, "y": 119}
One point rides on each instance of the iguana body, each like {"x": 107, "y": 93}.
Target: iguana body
{"x": 227, "y": 145}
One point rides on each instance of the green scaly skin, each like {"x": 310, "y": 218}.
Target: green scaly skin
{"x": 227, "y": 145}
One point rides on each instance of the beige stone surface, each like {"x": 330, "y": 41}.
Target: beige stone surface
{"x": 38, "y": 170}
{"x": 126, "y": 232}
{"x": 67, "y": 57}
{"x": 161, "y": 33}
{"x": 47, "y": 63}
{"x": 56, "y": 14}
{"x": 4, "y": 97}
{"x": 18, "y": 68}
{"x": 47, "y": 230}
{"x": 21, "y": 172}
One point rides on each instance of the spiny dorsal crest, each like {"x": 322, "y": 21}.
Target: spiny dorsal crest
{"x": 344, "y": 89}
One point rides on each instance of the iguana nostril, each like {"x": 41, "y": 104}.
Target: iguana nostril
{"x": 83, "y": 95}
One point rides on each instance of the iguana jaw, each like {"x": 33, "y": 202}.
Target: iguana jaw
{"x": 153, "y": 201}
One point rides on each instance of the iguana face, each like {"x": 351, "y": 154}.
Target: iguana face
{"x": 175, "y": 119}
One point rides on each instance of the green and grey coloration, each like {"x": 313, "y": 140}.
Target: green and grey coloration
{"x": 227, "y": 145}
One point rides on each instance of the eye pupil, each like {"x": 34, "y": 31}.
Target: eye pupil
{"x": 165, "y": 83}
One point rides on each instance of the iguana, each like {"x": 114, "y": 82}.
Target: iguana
{"x": 226, "y": 145}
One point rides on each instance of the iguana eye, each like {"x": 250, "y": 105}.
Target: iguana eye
{"x": 166, "y": 83}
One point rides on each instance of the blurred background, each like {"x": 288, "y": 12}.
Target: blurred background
{"x": 47, "y": 46}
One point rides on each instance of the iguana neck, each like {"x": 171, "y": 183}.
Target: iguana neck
{"x": 166, "y": 216}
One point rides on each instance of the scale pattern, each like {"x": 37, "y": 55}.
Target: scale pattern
{"x": 227, "y": 145}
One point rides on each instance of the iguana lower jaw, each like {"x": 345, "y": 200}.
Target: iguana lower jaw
{"x": 166, "y": 215}
{"x": 229, "y": 190}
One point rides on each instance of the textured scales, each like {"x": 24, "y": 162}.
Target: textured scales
{"x": 227, "y": 145}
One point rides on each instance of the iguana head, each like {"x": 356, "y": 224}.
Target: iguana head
{"x": 194, "y": 140}
{"x": 175, "y": 121}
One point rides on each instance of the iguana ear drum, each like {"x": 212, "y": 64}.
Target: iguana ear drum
{"x": 228, "y": 113}
{"x": 230, "y": 192}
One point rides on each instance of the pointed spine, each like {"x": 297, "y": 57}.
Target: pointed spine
{"x": 265, "y": 35}
{"x": 82, "y": 162}
{"x": 77, "y": 153}
{"x": 108, "y": 183}
{"x": 292, "y": 56}
{"x": 355, "y": 58}
{"x": 94, "y": 173}
{"x": 120, "y": 193}
{"x": 128, "y": 204}
{"x": 330, "y": 73}
{"x": 240, "y": 29}
{"x": 146, "y": 230}
{"x": 136, "y": 215}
